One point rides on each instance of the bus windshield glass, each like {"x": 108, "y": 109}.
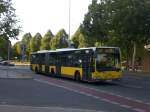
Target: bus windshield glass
{"x": 107, "y": 59}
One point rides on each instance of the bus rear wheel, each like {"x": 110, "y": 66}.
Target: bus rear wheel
{"x": 77, "y": 76}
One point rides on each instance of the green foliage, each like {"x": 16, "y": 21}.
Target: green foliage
{"x": 26, "y": 38}
{"x": 84, "y": 42}
{"x": 123, "y": 23}
{"x": 16, "y": 50}
{"x": 81, "y": 40}
{"x": 35, "y": 42}
{"x": 95, "y": 22}
{"x": 8, "y": 21}
{"x": 3, "y": 48}
{"x": 26, "y": 41}
{"x": 130, "y": 19}
{"x": 60, "y": 40}
{"x": 75, "y": 38}
{"x": 126, "y": 19}
{"x": 45, "y": 42}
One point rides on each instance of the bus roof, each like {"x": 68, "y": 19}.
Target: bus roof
{"x": 94, "y": 48}
{"x": 71, "y": 49}
{"x": 43, "y": 51}
{"x": 107, "y": 47}
{"x": 66, "y": 49}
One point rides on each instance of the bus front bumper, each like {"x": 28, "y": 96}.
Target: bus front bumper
{"x": 107, "y": 75}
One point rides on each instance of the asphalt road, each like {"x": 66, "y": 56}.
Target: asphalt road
{"x": 45, "y": 94}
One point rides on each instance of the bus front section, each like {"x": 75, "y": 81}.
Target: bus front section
{"x": 107, "y": 64}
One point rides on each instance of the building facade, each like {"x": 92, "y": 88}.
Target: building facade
{"x": 146, "y": 61}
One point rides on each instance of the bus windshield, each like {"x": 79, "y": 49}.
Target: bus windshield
{"x": 107, "y": 61}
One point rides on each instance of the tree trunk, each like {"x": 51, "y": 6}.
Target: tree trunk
{"x": 127, "y": 58}
{"x": 134, "y": 55}
{"x": 127, "y": 63}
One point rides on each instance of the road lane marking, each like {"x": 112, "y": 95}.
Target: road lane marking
{"x": 98, "y": 93}
{"x": 107, "y": 92}
{"x": 85, "y": 93}
{"x": 139, "y": 101}
{"x": 139, "y": 110}
{"x": 103, "y": 91}
{"x": 115, "y": 103}
{"x": 66, "y": 88}
{"x": 10, "y": 108}
{"x": 126, "y": 106}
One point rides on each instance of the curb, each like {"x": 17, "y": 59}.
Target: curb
{"x": 137, "y": 73}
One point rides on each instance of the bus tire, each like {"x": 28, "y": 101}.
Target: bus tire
{"x": 77, "y": 76}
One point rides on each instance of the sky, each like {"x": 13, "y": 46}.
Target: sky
{"x": 42, "y": 15}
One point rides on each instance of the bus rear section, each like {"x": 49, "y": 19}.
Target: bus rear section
{"x": 38, "y": 62}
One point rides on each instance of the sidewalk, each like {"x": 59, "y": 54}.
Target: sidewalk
{"x": 137, "y": 73}
{"x": 15, "y": 72}
{"x": 15, "y": 108}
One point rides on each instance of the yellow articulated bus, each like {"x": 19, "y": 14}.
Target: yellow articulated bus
{"x": 86, "y": 64}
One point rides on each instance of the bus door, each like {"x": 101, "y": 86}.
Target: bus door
{"x": 86, "y": 67}
{"x": 47, "y": 64}
{"x": 40, "y": 68}
{"x": 58, "y": 66}
{"x": 40, "y": 63}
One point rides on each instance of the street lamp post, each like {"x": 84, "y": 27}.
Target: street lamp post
{"x": 23, "y": 49}
{"x": 8, "y": 58}
{"x": 69, "y": 16}
{"x": 70, "y": 43}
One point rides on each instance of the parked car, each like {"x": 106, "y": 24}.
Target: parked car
{"x": 7, "y": 63}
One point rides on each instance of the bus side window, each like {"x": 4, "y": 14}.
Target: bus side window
{"x": 76, "y": 60}
{"x": 69, "y": 60}
{"x": 64, "y": 60}
{"x": 52, "y": 59}
{"x": 92, "y": 64}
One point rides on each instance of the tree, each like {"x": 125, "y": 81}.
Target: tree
{"x": 130, "y": 20}
{"x": 35, "y": 42}
{"x": 16, "y": 50}
{"x": 8, "y": 21}
{"x": 26, "y": 38}
{"x": 3, "y": 48}
{"x": 45, "y": 42}
{"x": 81, "y": 40}
{"x": 95, "y": 23}
{"x": 26, "y": 41}
{"x": 127, "y": 20}
{"x": 60, "y": 40}
{"x": 75, "y": 38}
